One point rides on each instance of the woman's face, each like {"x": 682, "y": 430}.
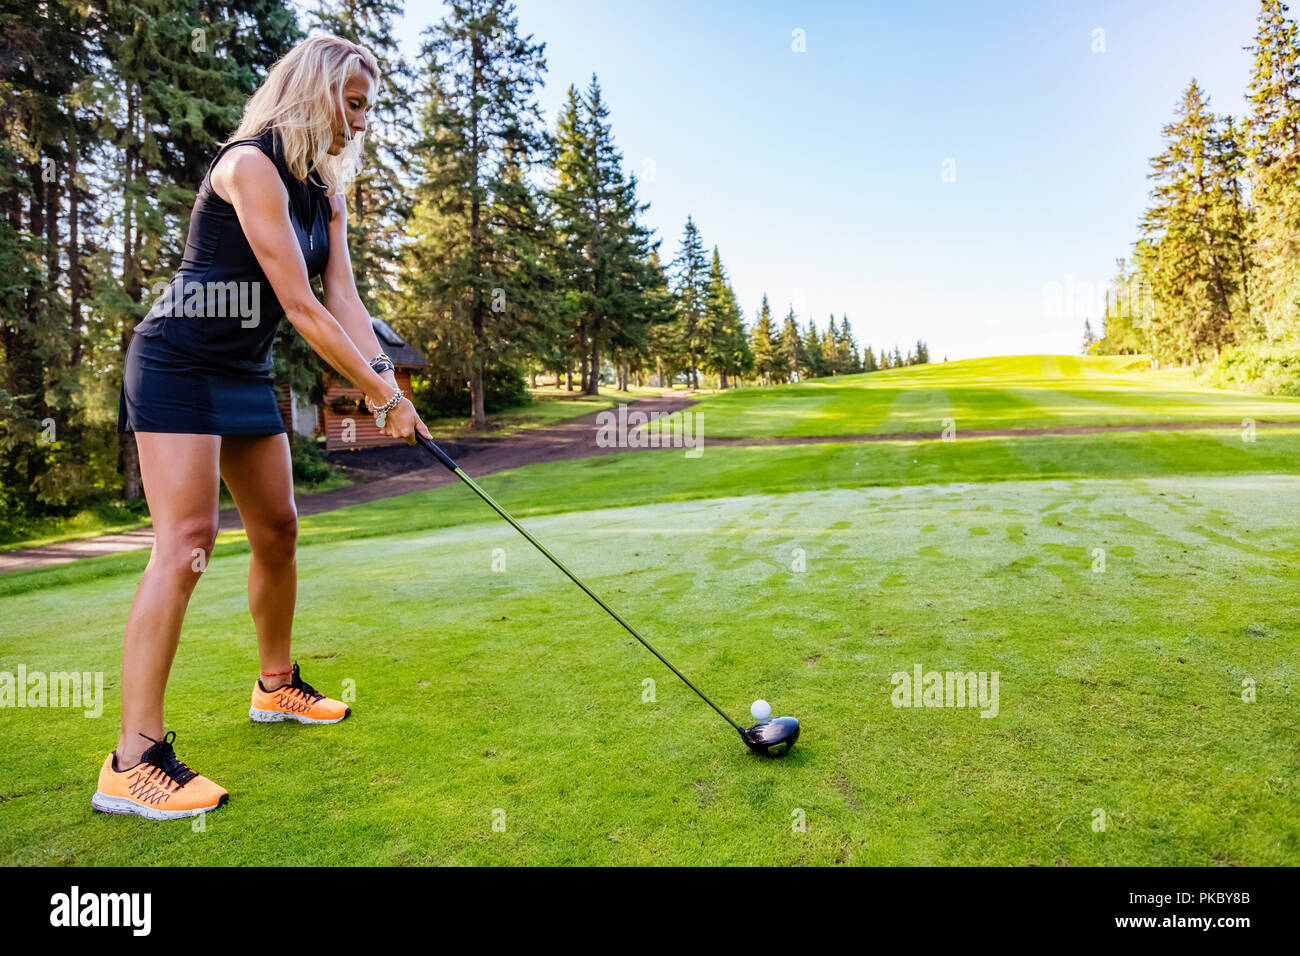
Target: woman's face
{"x": 358, "y": 97}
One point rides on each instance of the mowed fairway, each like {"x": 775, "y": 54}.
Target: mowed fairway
{"x": 1018, "y": 391}
{"x": 1126, "y": 588}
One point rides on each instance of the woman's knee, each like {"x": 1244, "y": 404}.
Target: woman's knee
{"x": 275, "y": 538}
{"x": 187, "y": 546}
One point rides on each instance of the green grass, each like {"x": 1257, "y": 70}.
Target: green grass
{"x": 480, "y": 691}
{"x": 102, "y": 518}
{"x": 549, "y": 406}
{"x": 1021, "y": 391}
{"x": 112, "y": 517}
{"x": 610, "y": 481}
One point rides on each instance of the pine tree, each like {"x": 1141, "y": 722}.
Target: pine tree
{"x": 574, "y": 182}
{"x": 662, "y": 325}
{"x": 113, "y": 112}
{"x": 1272, "y": 143}
{"x": 690, "y": 289}
{"x": 791, "y": 358}
{"x": 814, "y": 359}
{"x": 43, "y": 60}
{"x": 464, "y": 291}
{"x": 180, "y": 75}
{"x": 378, "y": 203}
{"x": 762, "y": 344}
{"x": 831, "y": 353}
{"x": 726, "y": 350}
{"x": 655, "y": 316}
{"x": 1188, "y": 250}
{"x": 846, "y": 349}
{"x": 529, "y": 264}
{"x": 1127, "y": 315}
{"x": 620, "y": 245}
{"x": 604, "y": 248}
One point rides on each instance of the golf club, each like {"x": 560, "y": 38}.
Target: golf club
{"x": 772, "y": 737}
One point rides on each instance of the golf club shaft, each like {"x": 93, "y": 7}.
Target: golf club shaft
{"x": 442, "y": 456}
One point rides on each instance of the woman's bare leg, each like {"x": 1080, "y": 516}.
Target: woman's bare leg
{"x": 258, "y": 472}
{"x": 179, "y": 473}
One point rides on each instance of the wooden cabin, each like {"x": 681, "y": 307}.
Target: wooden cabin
{"x": 343, "y": 417}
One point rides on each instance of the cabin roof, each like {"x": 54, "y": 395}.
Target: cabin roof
{"x": 403, "y": 354}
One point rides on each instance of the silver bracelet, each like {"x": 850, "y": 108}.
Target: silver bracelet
{"x": 381, "y": 413}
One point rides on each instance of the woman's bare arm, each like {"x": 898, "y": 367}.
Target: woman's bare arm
{"x": 249, "y": 181}
{"x": 341, "y": 296}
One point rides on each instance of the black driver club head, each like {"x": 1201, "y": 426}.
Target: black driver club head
{"x": 772, "y": 738}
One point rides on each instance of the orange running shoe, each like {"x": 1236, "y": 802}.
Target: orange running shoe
{"x": 296, "y": 700}
{"x": 159, "y": 787}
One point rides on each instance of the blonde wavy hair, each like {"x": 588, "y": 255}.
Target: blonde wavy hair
{"x": 300, "y": 100}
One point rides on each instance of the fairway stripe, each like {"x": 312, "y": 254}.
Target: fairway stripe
{"x": 994, "y": 433}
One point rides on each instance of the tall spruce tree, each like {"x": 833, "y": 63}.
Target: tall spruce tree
{"x": 145, "y": 92}
{"x": 573, "y": 183}
{"x": 762, "y": 343}
{"x": 1127, "y": 313}
{"x": 690, "y": 290}
{"x": 1272, "y": 143}
{"x": 617, "y": 258}
{"x": 792, "y": 360}
{"x": 462, "y": 285}
{"x": 814, "y": 358}
{"x": 848, "y": 347}
{"x": 726, "y": 350}
{"x": 1188, "y": 250}
{"x": 379, "y": 205}
{"x": 605, "y": 249}
{"x": 661, "y": 341}
{"x": 43, "y": 58}
{"x": 836, "y": 363}
{"x": 655, "y": 314}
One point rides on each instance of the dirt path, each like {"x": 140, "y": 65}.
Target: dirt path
{"x": 565, "y": 441}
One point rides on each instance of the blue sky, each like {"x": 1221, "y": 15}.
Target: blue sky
{"x": 820, "y": 174}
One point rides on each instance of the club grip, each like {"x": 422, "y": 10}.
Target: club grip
{"x": 435, "y": 451}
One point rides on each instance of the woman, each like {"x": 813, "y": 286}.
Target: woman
{"x": 197, "y": 393}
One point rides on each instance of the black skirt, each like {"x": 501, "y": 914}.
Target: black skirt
{"x": 166, "y": 390}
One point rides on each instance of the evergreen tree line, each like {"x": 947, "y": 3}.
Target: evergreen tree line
{"x": 499, "y": 248}
{"x": 1214, "y": 278}
{"x": 790, "y": 354}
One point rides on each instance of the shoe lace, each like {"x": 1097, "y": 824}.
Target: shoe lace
{"x": 162, "y": 756}
{"x": 298, "y": 684}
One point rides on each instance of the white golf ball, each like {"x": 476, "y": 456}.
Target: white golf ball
{"x": 761, "y": 709}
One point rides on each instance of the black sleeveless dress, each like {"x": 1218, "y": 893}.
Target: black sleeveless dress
{"x": 200, "y": 360}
